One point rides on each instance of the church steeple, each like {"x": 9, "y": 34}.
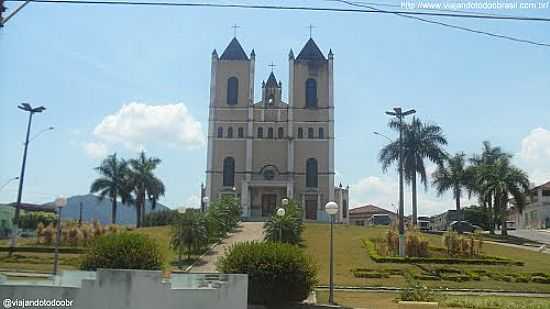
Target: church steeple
{"x": 271, "y": 91}
{"x": 234, "y": 51}
{"x": 311, "y": 52}
{"x": 272, "y": 81}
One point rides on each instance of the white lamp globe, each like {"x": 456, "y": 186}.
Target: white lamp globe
{"x": 205, "y": 199}
{"x": 331, "y": 208}
{"x": 281, "y": 212}
{"x": 60, "y": 202}
{"x": 285, "y": 202}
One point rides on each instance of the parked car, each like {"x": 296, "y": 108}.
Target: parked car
{"x": 462, "y": 227}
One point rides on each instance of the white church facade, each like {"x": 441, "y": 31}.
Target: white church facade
{"x": 264, "y": 151}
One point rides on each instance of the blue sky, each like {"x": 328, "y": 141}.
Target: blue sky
{"x": 84, "y": 63}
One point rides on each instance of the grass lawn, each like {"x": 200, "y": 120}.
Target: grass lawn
{"x": 356, "y": 299}
{"x": 350, "y": 254}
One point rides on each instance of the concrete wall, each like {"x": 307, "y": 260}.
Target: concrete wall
{"x": 140, "y": 289}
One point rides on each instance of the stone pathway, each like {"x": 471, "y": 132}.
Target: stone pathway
{"x": 247, "y": 231}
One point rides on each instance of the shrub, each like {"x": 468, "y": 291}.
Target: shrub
{"x": 123, "y": 251}
{"x": 189, "y": 234}
{"x": 540, "y": 279}
{"x": 415, "y": 244}
{"x": 277, "y": 272}
{"x": 222, "y": 217}
{"x": 31, "y": 220}
{"x": 287, "y": 228}
{"x": 159, "y": 218}
{"x": 416, "y": 291}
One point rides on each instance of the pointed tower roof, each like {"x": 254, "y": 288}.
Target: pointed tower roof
{"x": 311, "y": 52}
{"x": 272, "y": 81}
{"x": 234, "y": 51}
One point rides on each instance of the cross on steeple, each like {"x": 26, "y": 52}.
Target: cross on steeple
{"x": 272, "y": 66}
{"x": 310, "y": 30}
{"x": 235, "y": 27}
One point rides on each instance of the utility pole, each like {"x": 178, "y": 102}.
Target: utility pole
{"x": 399, "y": 114}
{"x": 27, "y": 108}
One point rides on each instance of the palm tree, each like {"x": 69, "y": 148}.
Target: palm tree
{"x": 453, "y": 176}
{"x": 112, "y": 182}
{"x": 481, "y": 168}
{"x": 144, "y": 183}
{"x": 420, "y": 141}
{"x": 504, "y": 180}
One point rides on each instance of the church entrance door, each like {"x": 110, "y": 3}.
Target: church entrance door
{"x": 311, "y": 209}
{"x": 269, "y": 202}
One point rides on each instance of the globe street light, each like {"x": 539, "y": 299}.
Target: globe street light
{"x": 60, "y": 202}
{"x": 205, "y": 202}
{"x": 399, "y": 114}
{"x": 284, "y": 202}
{"x": 281, "y": 213}
{"x": 332, "y": 209}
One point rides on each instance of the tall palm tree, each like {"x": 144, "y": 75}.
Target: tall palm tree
{"x": 453, "y": 176}
{"x": 504, "y": 180}
{"x": 144, "y": 183}
{"x": 112, "y": 182}
{"x": 420, "y": 141}
{"x": 482, "y": 166}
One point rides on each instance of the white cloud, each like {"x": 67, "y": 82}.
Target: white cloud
{"x": 95, "y": 151}
{"x": 137, "y": 124}
{"x": 383, "y": 192}
{"x": 535, "y": 155}
{"x": 193, "y": 201}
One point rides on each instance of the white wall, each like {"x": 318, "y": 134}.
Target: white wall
{"x": 135, "y": 289}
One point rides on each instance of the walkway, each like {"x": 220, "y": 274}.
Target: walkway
{"x": 533, "y": 235}
{"x": 247, "y": 231}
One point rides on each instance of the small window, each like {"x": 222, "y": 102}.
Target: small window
{"x": 270, "y": 133}
{"x": 260, "y": 132}
{"x": 311, "y": 93}
{"x": 230, "y": 132}
{"x": 310, "y": 133}
{"x": 220, "y": 132}
{"x": 241, "y": 132}
{"x": 232, "y": 91}
{"x": 228, "y": 172}
{"x": 321, "y": 133}
{"x": 281, "y": 133}
{"x": 300, "y": 133}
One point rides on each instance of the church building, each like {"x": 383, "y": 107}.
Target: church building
{"x": 264, "y": 151}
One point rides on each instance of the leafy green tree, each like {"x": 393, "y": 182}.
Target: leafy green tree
{"x": 189, "y": 234}
{"x": 287, "y": 228}
{"x": 420, "y": 141}
{"x": 453, "y": 175}
{"x": 504, "y": 180}
{"x": 144, "y": 184}
{"x": 482, "y": 166}
{"x": 223, "y": 216}
{"x": 112, "y": 183}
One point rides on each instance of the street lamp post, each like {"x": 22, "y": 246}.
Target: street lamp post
{"x": 27, "y": 108}
{"x": 60, "y": 202}
{"x": 8, "y": 182}
{"x": 399, "y": 114}
{"x": 281, "y": 213}
{"x": 331, "y": 208}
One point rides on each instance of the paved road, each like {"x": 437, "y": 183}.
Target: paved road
{"x": 247, "y": 231}
{"x": 534, "y": 235}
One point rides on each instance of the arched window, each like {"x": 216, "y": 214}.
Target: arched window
{"x": 220, "y": 132}
{"x": 228, "y": 172}
{"x": 321, "y": 133}
{"x": 270, "y": 133}
{"x": 260, "y": 132}
{"x": 300, "y": 133}
{"x": 311, "y": 173}
{"x": 241, "y": 132}
{"x": 230, "y": 132}
{"x": 281, "y": 133}
{"x": 232, "y": 91}
{"x": 311, "y": 93}
{"x": 309, "y": 132}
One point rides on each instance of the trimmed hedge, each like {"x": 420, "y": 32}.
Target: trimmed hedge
{"x": 277, "y": 272}
{"x": 124, "y": 251}
{"x": 485, "y": 260}
{"x": 44, "y": 249}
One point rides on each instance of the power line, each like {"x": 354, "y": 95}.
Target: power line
{"x": 490, "y": 34}
{"x": 288, "y": 8}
